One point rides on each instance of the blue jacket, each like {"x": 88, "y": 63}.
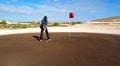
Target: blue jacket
{"x": 44, "y": 22}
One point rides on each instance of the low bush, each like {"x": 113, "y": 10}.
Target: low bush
{"x": 55, "y": 24}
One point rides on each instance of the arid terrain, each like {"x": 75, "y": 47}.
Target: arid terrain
{"x": 95, "y": 43}
{"x": 79, "y": 49}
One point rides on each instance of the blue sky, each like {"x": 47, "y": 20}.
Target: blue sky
{"x": 58, "y": 10}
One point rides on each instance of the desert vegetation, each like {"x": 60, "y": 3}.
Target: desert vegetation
{"x": 5, "y": 25}
{"x": 32, "y": 24}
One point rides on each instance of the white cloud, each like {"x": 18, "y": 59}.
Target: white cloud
{"x": 30, "y": 8}
{"x": 16, "y": 9}
{"x": 56, "y": 0}
{"x": 45, "y": 7}
{"x": 62, "y": 10}
{"x": 14, "y": 0}
{"x": 50, "y": 8}
{"x": 7, "y": 2}
{"x": 27, "y": 10}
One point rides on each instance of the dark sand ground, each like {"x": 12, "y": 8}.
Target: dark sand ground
{"x": 81, "y": 49}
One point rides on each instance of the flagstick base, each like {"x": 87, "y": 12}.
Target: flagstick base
{"x": 70, "y": 28}
{"x": 69, "y": 34}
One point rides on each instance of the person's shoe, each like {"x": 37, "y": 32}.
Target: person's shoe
{"x": 48, "y": 39}
{"x": 40, "y": 40}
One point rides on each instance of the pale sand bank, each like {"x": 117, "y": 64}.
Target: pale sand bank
{"x": 61, "y": 29}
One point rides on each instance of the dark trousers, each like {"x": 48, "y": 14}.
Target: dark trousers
{"x": 41, "y": 34}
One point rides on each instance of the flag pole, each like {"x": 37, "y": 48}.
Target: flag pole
{"x": 71, "y": 15}
{"x": 69, "y": 27}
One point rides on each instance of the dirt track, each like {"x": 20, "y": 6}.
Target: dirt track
{"x": 81, "y": 49}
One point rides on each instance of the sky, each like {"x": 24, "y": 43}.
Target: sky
{"x": 58, "y": 10}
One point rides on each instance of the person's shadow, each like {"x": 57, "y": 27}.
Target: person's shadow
{"x": 36, "y": 37}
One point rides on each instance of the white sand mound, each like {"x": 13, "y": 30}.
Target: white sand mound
{"x": 61, "y": 29}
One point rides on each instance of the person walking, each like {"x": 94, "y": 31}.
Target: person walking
{"x": 43, "y": 26}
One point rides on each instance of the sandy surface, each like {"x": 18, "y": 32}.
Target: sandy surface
{"x": 79, "y": 49}
{"x": 77, "y": 28}
{"x": 87, "y": 46}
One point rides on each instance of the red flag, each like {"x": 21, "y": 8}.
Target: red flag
{"x": 71, "y": 15}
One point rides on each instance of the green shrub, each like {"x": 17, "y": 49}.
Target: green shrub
{"x": 72, "y": 23}
{"x": 55, "y": 24}
{"x": 18, "y": 26}
{"x": 38, "y": 23}
{"x": 3, "y": 22}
